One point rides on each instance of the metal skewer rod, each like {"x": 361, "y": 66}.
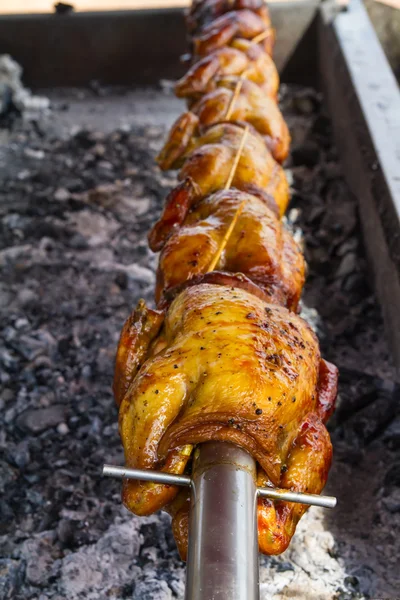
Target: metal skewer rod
{"x": 169, "y": 479}
{"x": 312, "y": 499}
{"x": 223, "y": 543}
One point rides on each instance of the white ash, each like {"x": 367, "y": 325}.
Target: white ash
{"x": 128, "y": 555}
{"x": 11, "y": 88}
{"x": 308, "y": 569}
{"x": 289, "y": 221}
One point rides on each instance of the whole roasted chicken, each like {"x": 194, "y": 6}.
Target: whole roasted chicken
{"x": 224, "y": 365}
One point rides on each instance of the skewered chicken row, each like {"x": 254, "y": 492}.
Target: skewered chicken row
{"x": 203, "y": 12}
{"x": 226, "y": 360}
{"x": 225, "y": 366}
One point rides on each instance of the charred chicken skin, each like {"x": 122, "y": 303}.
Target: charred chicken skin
{"x": 225, "y": 357}
{"x": 225, "y": 366}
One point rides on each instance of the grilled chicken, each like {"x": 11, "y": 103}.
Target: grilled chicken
{"x": 207, "y": 160}
{"x": 242, "y": 57}
{"x": 236, "y": 99}
{"x": 259, "y": 247}
{"x": 225, "y": 366}
{"x": 225, "y": 357}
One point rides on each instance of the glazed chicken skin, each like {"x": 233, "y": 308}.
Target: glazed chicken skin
{"x": 241, "y": 58}
{"x": 259, "y": 247}
{"x": 250, "y": 105}
{"x": 225, "y": 366}
{"x": 207, "y": 161}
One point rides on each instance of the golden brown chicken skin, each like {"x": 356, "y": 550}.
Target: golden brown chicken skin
{"x": 207, "y": 160}
{"x": 242, "y": 57}
{"x": 227, "y": 366}
{"x": 221, "y": 32}
{"x": 259, "y": 247}
{"x": 250, "y": 105}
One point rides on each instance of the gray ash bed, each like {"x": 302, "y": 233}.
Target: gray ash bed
{"x": 79, "y": 192}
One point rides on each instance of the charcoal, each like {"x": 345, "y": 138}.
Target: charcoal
{"x": 392, "y": 435}
{"x": 307, "y": 154}
{"x": 7, "y": 476}
{"x": 36, "y": 421}
{"x": 27, "y": 298}
{"x": 11, "y": 577}
{"x": 74, "y": 261}
{"x": 392, "y": 501}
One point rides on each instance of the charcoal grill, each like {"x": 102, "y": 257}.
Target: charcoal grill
{"x": 322, "y": 45}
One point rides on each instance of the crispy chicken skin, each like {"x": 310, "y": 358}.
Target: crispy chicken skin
{"x": 251, "y": 105}
{"x": 228, "y": 366}
{"x": 242, "y": 57}
{"x": 244, "y": 24}
{"x": 207, "y": 161}
{"x": 259, "y": 247}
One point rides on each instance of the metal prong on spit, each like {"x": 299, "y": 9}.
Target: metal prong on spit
{"x": 181, "y": 480}
{"x": 312, "y": 499}
{"x": 143, "y": 475}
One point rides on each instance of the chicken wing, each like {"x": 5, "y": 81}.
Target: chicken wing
{"x": 207, "y": 161}
{"x": 227, "y": 366}
{"x": 259, "y": 247}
